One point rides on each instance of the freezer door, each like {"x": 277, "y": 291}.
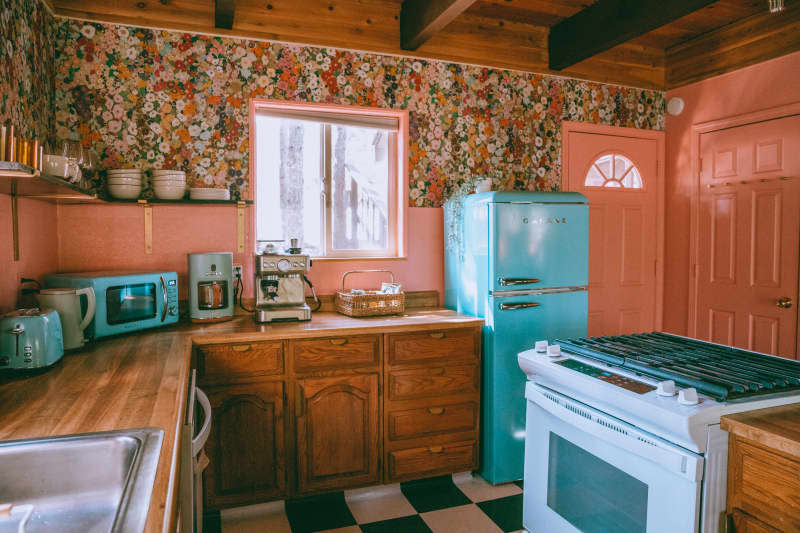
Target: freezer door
{"x": 536, "y": 246}
{"x": 514, "y": 325}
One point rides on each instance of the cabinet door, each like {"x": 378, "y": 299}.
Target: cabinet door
{"x": 246, "y": 445}
{"x": 337, "y": 432}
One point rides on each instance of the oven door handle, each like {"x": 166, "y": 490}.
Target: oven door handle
{"x": 619, "y": 433}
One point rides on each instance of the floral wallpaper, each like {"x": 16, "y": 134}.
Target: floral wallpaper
{"x": 26, "y": 68}
{"x": 154, "y": 99}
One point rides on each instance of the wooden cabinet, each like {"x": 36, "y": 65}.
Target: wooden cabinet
{"x": 305, "y": 415}
{"x": 763, "y": 488}
{"x": 337, "y": 432}
{"x": 431, "y": 412}
{"x": 246, "y": 447}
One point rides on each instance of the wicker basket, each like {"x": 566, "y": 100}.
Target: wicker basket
{"x": 372, "y": 303}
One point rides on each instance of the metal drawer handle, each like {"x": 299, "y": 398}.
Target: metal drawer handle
{"x": 436, "y": 449}
{"x": 519, "y": 305}
{"x": 241, "y": 347}
{"x": 437, "y": 335}
{"x": 436, "y": 410}
{"x": 518, "y": 281}
{"x": 338, "y": 342}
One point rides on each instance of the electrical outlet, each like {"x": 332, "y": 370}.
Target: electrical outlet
{"x": 237, "y": 271}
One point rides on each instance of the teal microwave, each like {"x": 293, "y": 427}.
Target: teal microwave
{"x": 125, "y": 301}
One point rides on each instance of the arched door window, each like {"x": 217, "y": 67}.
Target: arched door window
{"x": 613, "y": 170}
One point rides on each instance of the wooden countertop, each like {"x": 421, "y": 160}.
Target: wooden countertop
{"x": 774, "y": 427}
{"x": 140, "y": 380}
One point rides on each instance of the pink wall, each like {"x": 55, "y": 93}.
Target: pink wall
{"x": 769, "y": 84}
{"x": 111, "y": 236}
{"x": 38, "y": 237}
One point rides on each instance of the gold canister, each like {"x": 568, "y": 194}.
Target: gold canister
{"x": 11, "y": 144}
{"x": 35, "y": 154}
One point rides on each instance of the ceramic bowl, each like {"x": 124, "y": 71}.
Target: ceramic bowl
{"x": 125, "y": 181}
{"x": 125, "y": 192}
{"x": 168, "y": 179}
{"x": 170, "y": 193}
{"x": 113, "y": 171}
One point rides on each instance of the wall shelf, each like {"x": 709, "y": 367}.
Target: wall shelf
{"x": 23, "y": 181}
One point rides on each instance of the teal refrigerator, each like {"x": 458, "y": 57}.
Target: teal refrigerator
{"x": 520, "y": 260}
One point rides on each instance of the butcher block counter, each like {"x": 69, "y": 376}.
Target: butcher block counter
{"x": 140, "y": 380}
{"x": 763, "y": 461}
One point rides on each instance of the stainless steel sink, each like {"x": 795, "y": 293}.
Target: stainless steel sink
{"x": 95, "y": 482}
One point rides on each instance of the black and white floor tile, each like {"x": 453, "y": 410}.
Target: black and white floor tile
{"x": 462, "y": 503}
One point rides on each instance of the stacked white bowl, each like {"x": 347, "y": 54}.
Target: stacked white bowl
{"x": 169, "y": 184}
{"x": 125, "y": 183}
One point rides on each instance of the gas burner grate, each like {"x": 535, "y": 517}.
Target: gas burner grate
{"x": 717, "y": 371}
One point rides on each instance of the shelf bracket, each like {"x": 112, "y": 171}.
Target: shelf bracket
{"x": 240, "y": 225}
{"x": 15, "y": 220}
{"x": 148, "y": 226}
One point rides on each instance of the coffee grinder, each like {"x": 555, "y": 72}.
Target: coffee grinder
{"x": 280, "y": 285}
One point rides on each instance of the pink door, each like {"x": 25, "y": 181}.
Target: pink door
{"x": 749, "y": 224}
{"x": 619, "y": 175}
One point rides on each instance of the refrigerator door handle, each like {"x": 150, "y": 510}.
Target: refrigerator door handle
{"x": 518, "y": 281}
{"x": 518, "y": 305}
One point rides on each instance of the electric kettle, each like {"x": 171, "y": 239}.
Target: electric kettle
{"x": 67, "y": 302}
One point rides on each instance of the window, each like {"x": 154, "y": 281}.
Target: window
{"x": 613, "y": 170}
{"x": 330, "y": 178}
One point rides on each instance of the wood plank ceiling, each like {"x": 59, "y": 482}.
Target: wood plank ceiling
{"x": 720, "y": 37}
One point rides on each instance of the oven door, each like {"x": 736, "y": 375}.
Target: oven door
{"x": 586, "y": 471}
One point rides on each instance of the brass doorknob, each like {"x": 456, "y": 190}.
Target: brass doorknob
{"x": 784, "y": 303}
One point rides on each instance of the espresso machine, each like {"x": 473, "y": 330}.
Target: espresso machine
{"x": 280, "y": 285}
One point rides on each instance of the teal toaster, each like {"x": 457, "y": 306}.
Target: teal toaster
{"x": 30, "y": 338}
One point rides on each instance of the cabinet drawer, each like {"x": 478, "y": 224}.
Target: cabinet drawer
{"x": 435, "y": 381}
{"x": 335, "y": 352}
{"x": 432, "y": 420}
{"x": 445, "y": 345}
{"x": 764, "y": 485}
{"x": 231, "y": 361}
{"x": 416, "y": 462}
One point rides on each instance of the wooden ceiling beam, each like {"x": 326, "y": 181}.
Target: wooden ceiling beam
{"x": 607, "y": 23}
{"x": 223, "y": 13}
{"x": 421, "y": 19}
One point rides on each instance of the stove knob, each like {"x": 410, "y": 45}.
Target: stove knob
{"x": 666, "y": 388}
{"x": 554, "y": 350}
{"x": 541, "y": 346}
{"x": 688, "y": 397}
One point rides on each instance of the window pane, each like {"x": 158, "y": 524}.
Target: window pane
{"x": 594, "y": 178}
{"x": 289, "y": 175}
{"x": 591, "y": 494}
{"x": 359, "y": 188}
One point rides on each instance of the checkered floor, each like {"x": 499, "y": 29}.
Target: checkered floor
{"x": 463, "y": 503}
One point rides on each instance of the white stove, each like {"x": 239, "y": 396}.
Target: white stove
{"x": 623, "y": 432}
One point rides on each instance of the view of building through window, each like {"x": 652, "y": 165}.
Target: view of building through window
{"x": 328, "y": 185}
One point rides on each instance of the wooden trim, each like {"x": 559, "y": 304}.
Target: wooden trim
{"x": 608, "y": 23}
{"x": 399, "y": 209}
{"x": 698, "y": 129}
{"x": 420, "y": 19}
{"x": 634, "y": 133}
